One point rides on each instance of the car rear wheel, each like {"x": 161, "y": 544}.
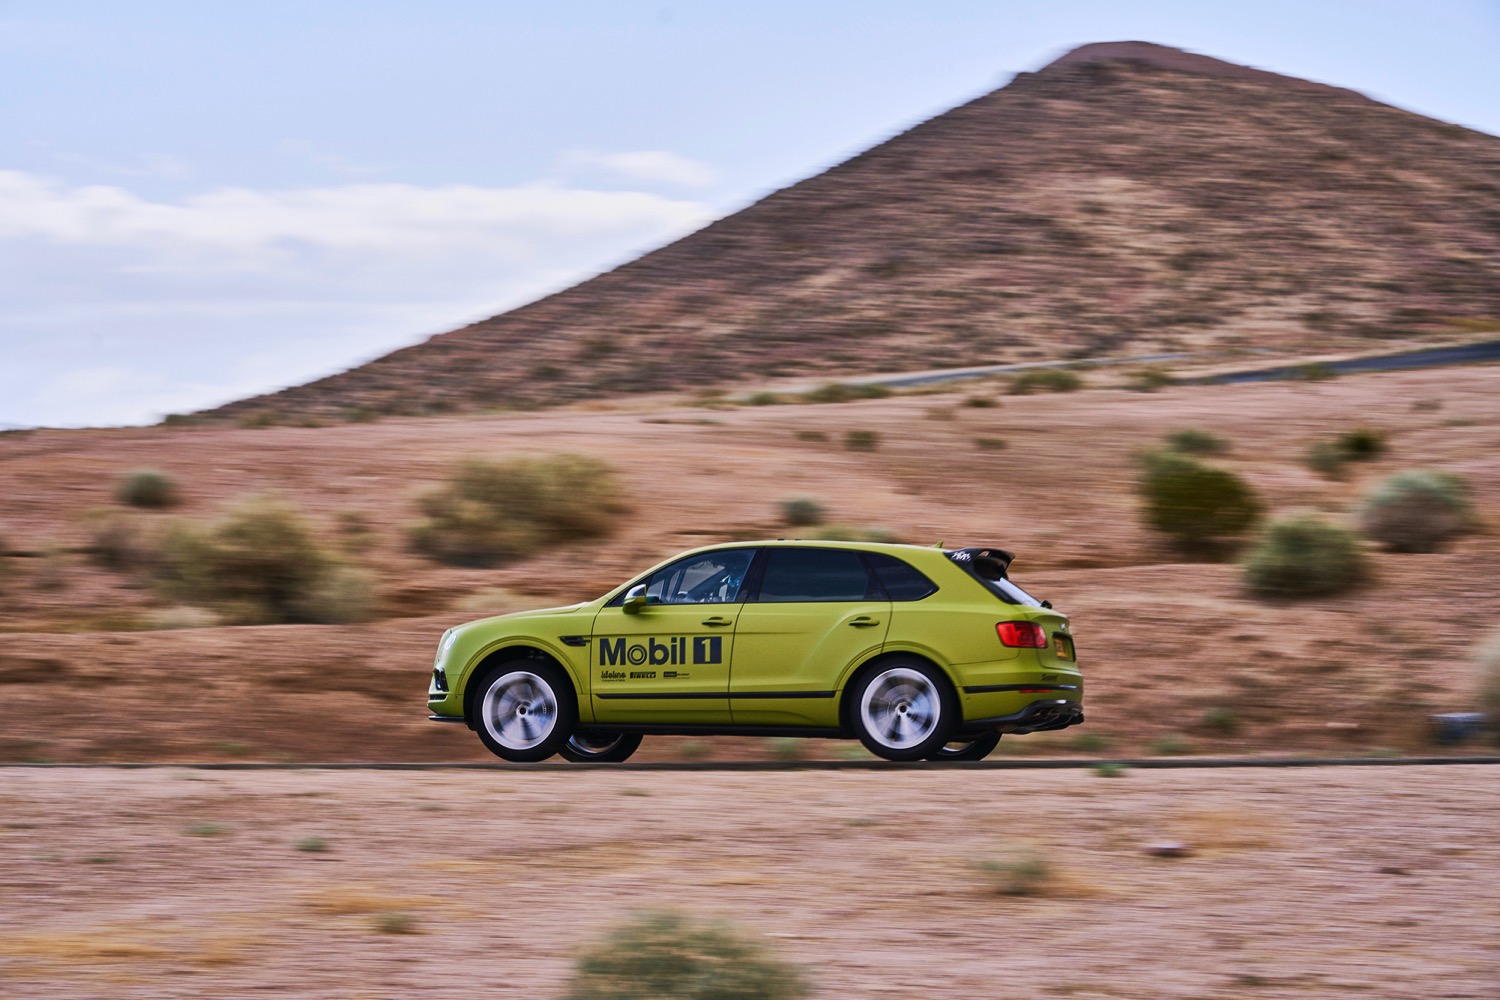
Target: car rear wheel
{"x": 977, "y": 748}
{"x": 904, "y": 710}
{"x": 593, "y": 746}
{"x": 524, "y": 710}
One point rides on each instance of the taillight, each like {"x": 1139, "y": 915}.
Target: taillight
{"x": 1026, "y": 635}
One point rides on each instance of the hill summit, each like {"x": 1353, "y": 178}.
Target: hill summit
{"x": 1128, "y": 198}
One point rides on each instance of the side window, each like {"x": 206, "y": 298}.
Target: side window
{"x": 710, "y": 578}
{"x": 900, "y": 581}
{"x": 816, "y": 575}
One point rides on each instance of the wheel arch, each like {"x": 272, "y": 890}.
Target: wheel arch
{"x": 517, "y": 650}
{"x": 851, "y": 681}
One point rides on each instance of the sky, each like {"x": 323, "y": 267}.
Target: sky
{"x": 203, "y": 201}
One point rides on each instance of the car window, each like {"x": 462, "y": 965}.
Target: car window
{"x": 901, "y": 582}
{"x": 707, "y": 578}
{"x": 816, "y": 575}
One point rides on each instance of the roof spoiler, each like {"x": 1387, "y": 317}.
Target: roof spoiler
{"x": 973, "y": 555}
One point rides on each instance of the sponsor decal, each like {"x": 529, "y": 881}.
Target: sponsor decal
{"x": 654, "y": 652}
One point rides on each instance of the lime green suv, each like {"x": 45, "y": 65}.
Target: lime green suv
{"x": 919, "y": 653}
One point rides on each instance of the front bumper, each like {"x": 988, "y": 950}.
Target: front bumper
{"x": 1039, "y": 716}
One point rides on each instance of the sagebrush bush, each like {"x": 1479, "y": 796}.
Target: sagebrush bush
{"x": 1202, "y": 507}
{"x": 1021, "y": 873}
{"x": 843, "y": 392}
{"x": 663, "y": 956}
{"x": 1192, "y": 441}
{"x": 862, "y": 440}
{"x": 1325, "y": 459}
{"x": 1150, "y": 380}
{"x": 802, "y": 511}
{"x": 1302, "y": 555}
{"x": 1362, "y": 444}
{"x": 490, "y": 511}
{"x": 117, "y": 541}
{"x": 1045, "y": 379}
{"x": 1417, "y": 510}
{"x": 147, "y": 488}
{"x": 261, "y": 564}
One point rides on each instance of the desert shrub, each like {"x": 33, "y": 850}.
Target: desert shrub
{"x": 1045, "y": 380}
{"x": 1192, "y": 441}
{"x": 862, "y": 440}
{"x": 147, "y": 488}
{"x": 1021, "y": 873}
{"x": 116, "y": 541}
{"x": 806, "y": 435}
{"x": 989, "y": 443}
{"x": 843, "y": 392}
{"x": 341, "y": 594}
{"x": 981, "y": 402}
{"x": 765, "y": 399}
{"x": 1417, "y": 510}
{"x": 1170, "y": 745}
{"x": 801, "y": 511}
{"x": 663, "y": 956}
{"x": 1325, "y": 459}
{"x": 495, "y": 510}
{"x": 1220, "y": 719}
{"x": 1302, "y": 555}
{"x": 1149, "y": 380}
{"x": 1202, "y": 507}
{"x": 261, "y": 564}
{"x": 1361, "y": 444}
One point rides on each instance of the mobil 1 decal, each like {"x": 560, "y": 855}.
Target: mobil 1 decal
{"x": 672, "y": 651}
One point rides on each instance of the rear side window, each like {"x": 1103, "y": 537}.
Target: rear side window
{"x": 901, "y": 582}
{"x": 816, "y": 575}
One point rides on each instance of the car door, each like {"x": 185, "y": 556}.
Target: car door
{"x": 668, "y": 661}
{"x": 815, "y": 611}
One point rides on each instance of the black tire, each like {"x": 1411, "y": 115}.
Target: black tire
{"x": 598, "y": 746}
{"x": 903, "y": 710}
{"x": 524, "y": 710}
{"x": 963, "y": 748}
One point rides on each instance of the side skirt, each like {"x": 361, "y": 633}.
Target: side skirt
{"x": 811, "y": 732}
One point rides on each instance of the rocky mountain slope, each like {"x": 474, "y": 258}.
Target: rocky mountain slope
{"x": 1126, "y": 199}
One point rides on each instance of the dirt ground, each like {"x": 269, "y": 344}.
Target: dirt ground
{"x": 1356, "y": 881}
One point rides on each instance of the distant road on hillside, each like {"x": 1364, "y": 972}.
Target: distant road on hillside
{"x": 1430, "y": 357}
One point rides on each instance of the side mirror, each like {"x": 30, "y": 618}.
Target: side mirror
{"x": 635, "y": 599}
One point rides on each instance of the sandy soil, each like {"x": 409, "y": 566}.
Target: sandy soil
{"x": 1169, "y": 647}
{"x": 1372, "y": 881}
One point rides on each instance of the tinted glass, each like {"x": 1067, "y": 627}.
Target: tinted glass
{"x": 710, "y": 578}
{"x": 816, "y": 575}
{"x": 901, "y": 582}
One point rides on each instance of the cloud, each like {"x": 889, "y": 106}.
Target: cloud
{"x": 113, "y": 304}
{"x": 652, "y": 166}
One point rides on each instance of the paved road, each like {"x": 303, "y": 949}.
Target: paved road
{"x": 1430, "y": 357}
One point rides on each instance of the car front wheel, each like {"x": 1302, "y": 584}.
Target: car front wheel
{"x": 904, "y": 710}
{"x": 524, "y": 710}
{"x": 599, "y": 747}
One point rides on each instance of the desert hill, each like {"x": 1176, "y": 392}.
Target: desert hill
{"x": 1126, "y": 199}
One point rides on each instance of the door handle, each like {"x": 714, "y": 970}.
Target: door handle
{"x": 717, "y": 622}
{"x": 864, "y": 621}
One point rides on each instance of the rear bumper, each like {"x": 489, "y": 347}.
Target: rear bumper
{"x": 1049, "y": 713}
